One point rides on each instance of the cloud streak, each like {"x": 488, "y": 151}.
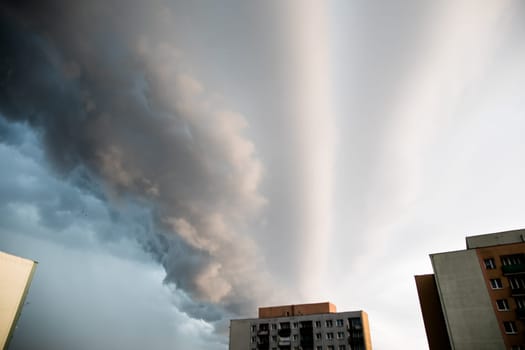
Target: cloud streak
{"x": 314, "y": 135}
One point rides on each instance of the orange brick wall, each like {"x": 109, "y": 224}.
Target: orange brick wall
{"x": 295, "y": 310}
{"x": 495, "y": 252}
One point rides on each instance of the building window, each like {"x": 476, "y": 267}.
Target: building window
{"x": 520, "y": 302}
{"x": 502, "y": 304}
{"x": 517, "y": 347}
{"x": 515, "y": 259}
{"x": 317, "y": 324}
{"x": 340, "y": 335}
{"x": 329, "y": 336}
{"x": 342, "y": 347}
{"x": 295, "y": 337}
{"x": 510, "y": 327}
{"x": 516, "y": 282}
{"x": 330, "y": 347}
{"x": 319, "y": 348}
{"x": 274, "y": 338}
{"x": 490, "y": 264}
{"x": 495, "y": 283}
{"x": 355, "y": 323}
{"x": 254, "y": 339}
{"x": 254, "y": 328}
{"x": 284, "y": 325}
{"x": 329, "y": 323}
{"x": 339, "y": 323}
{"x": 274, "y": 326}
{"x": 318, "y": 336}
{"x": 295, "y": 325}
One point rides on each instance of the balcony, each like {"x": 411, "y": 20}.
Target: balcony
{"x": 263, "y": 341}
{"x": 284, "y": 333}
{"x": 517, "y": 291}
{"x": 355, "y": 336}
{"x": 306, "y": 324}
{"x": 284, "y": 341}
{"x": 307, "y": 341}
{"x": 513, "y": 269}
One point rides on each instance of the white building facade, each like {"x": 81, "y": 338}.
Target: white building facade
{"x": 317, "y": 331}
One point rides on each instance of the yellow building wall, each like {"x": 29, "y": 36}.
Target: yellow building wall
{"x": 15, "y": 277}
{"x": 366, "y": 330}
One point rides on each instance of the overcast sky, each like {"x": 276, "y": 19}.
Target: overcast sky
{"x": 175, "y": 164}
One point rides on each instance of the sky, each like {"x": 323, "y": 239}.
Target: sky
{"x": 174, "y": 164}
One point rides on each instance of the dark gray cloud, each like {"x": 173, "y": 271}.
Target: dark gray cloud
{"x": 121, "y": 116}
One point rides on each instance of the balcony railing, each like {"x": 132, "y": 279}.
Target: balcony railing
{"x": 263, "y": 341}
{"x": 517, "y": 291}
{"x": 356, "y": 327}
{"x": 284, "y": 332}
{"x": 355, "y": 341}
{"x": 284, "y": 341}
{"x": 512, "y": 269}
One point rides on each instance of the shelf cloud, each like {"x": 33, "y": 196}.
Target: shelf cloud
{"x": 124, "y": 108}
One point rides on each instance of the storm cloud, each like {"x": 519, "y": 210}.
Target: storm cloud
{"x": 112, "y": 100}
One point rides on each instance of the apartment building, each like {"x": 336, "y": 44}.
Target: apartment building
{"x": 475, "y": 299}
{"x": 306, "y": 326}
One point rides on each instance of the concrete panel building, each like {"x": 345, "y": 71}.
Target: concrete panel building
{"x": 306, "y": 326}
{"x": 475, "y": 299}
{"x": 15, "y": 276}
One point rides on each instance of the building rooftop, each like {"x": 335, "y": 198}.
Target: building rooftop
{"x": 297, "y": 310}
{"x": 498, "y": 238}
